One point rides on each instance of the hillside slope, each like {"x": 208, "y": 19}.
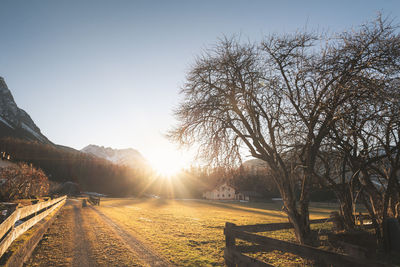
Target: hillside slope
{"x": 15, "y": 122}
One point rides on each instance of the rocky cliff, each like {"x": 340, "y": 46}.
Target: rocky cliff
{"x": 15, "y": 122}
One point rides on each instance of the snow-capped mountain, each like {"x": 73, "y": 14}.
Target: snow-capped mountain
{"x": 128, "y": 157}
{"x": 15, "y": 122}
{"x": 255, "y": 165}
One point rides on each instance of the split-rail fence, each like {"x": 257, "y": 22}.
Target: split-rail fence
{"x": 23, "y": 219}
{"x": 234, "y": 254}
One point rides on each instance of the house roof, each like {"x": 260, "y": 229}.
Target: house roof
{"x": 218, "y": 185}
{"x": 224, "y": 184}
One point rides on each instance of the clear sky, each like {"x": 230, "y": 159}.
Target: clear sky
{"x": 109, "y": 72}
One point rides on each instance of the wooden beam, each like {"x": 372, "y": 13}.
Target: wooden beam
{"x": 239, "y": 259}
{"x": 23, "y": 212}
{"x": 8, "y": 223}
{"x": 20, "y": 229}
{"x": 24, "y": 249}
{"x": 255, "y": 228}
{"x": 29, "y": 210}
{"x": 304, "y": 251}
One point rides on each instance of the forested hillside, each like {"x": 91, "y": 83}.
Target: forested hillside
{"x": 63, "y": 164}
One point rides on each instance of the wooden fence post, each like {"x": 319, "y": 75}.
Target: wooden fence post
{"x": 230, "y": 243}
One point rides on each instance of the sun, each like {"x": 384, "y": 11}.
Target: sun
{"x": 168, "y": 161}
{"x": 167, "y": 167}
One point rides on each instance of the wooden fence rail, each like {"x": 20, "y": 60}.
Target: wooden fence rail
{"x": 234, "y": 256}
{"x": 94, "y": 200}
{"x": 9, "y": 231}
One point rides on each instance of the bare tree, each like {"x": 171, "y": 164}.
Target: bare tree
{"x": 367, "y": 134}
{"x": 280, "y": 101}
{"x": 230, "y": 103}
{"x": 369, "y": 138}
{"x": 333, "y": 172}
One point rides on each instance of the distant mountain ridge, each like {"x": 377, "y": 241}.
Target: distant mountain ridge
{"x": 15, "y": 122}
{"x": 127, "y": 157}
{"x": 255, "y": 163}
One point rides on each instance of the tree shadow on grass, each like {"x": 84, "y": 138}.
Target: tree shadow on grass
{"x": 156, "y": 202}
{"x": 255, "y": 208}
{"x": 267, "y": 209}
{"x": 271, "y": 212}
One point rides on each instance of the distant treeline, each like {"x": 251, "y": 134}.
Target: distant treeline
{"x": 194, "y": 181}
{"x": 62, "y": 164}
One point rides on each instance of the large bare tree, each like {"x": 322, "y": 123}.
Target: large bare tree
{"x": 280, "y": 101}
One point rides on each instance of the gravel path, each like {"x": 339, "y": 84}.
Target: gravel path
{"x": 86, "y": 237}
{"x": 81, "y": 248}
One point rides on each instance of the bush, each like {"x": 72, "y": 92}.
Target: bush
{"x": 22, "y": 181}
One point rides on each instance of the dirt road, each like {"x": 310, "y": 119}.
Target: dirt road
{"x": 86, "y": 237}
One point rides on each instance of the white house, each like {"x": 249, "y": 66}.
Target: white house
{"x": 221, "y": 192}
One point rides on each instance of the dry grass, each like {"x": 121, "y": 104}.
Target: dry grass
{"x": 56, "y": 246}
{"x": 190, "y": 232}
{"x": 106, "y": 248}
{"x": 79, "y": 237}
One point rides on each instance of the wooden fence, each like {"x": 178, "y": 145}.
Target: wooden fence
{"x": 94, "y": 200}
{"x": 24, "y": 218}
{"x": 234, "y": 256}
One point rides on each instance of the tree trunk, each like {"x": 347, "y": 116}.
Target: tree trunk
{"x": 346, "y": 209}
{"x": 375, "y": 224}
{"x": 300, "y": 222}
{"x": 301, "y": 228}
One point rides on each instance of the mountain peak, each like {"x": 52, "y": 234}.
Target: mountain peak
{"x": 3, "y": 84}
{"x": 15, "y": 122}
{"x": 127, "y": 156}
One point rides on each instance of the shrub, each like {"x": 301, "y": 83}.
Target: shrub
{"x": 22, "y": 181}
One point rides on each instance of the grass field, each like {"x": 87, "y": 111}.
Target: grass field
{"x": 79, "y": 237}
{"x": 190, "y": 232}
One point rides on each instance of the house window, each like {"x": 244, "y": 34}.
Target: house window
{"x": 218, "y": 195}
{"x": 229, "y": 195}
{"x": 223, "y": 195}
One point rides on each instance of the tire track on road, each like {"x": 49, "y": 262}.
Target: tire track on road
{"x": 81, "y": 248}
{"x": 145, "y": 253}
